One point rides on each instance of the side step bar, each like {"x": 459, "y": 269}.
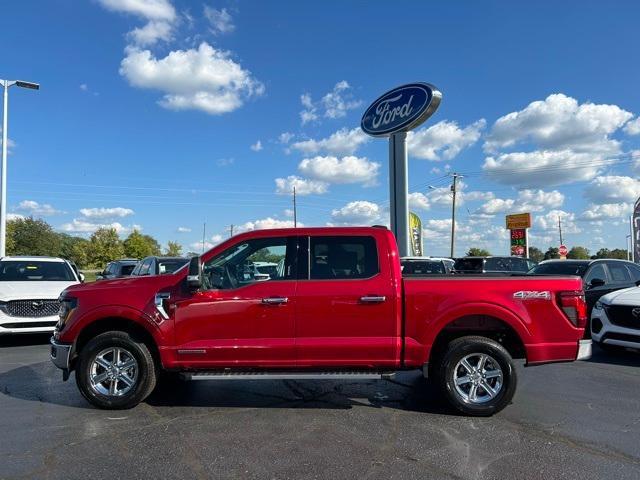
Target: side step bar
{"x": 289, "y": 375}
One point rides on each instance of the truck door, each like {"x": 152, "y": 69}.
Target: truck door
{"x": 345, "y": 304}
{"x": 239, "y": 319}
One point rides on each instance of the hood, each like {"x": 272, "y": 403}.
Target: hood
{"x": 32, "y": 290}
{"x": 626, "y": 296}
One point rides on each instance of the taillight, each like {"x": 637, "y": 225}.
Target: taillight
{"x": 574, "y": 307}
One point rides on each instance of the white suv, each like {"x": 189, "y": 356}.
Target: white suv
{"x": 29, "y": 291}
{"x": 615, "y": 319}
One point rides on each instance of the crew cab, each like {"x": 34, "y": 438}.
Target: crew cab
{"x": 336, "y": 307}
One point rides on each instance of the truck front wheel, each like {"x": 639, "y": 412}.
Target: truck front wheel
{"x": 477, "y": 375}
{"x": 115, "y": 371}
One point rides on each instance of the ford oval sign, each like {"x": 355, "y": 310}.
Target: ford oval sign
{"x": 401, "y": 109}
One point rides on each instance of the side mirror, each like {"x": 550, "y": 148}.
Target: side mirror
{"x": 194, "y": 276}
{"x": 81, "y": 275}
{"x": 596, "y": 282}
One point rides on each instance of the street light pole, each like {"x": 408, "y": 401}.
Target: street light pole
{"x": 3, "y": 172}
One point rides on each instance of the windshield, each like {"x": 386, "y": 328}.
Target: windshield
{"x": 127, "y": 269}
{"x": 422, "y": 268}
{"x": 560, "y": 268}
{"x": 469, "y": 265}
{"x": 26, "y": 271}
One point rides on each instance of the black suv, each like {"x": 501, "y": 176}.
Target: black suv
{"x": 158, "y": 265}
{"x": 118, "y": 269}
{"x": 497, "y": 265}
{"x": 599, "y": 277}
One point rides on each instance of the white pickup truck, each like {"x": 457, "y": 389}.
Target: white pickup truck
{"x": 29, "y": 291}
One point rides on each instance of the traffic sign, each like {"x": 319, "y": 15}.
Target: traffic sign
{"x": 563, "y": 251}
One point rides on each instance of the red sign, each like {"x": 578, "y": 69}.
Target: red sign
{"x": 563, "y": 251}
{"x": 519, "y": 242}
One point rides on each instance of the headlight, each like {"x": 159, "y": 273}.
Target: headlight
{"x": 67, "y": 306}
{"x": 598, "y": 305}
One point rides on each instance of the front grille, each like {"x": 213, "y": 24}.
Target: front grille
{"x": 31, "y": 308}
{"x": 50, "y": 323}
{"x": 622, "y": 316}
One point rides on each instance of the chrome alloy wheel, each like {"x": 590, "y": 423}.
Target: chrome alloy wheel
{"x": 477, "y": 378}
{"x": 113, "y": 372}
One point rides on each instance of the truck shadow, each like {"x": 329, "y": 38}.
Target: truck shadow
{"x": 24, "y": 339}
{"x": 628, "y": 357}
{"x": 41, "y": 382}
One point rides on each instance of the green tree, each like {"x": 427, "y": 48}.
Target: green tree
{"x": 618, "y": 253}
{"x": 174, "y": 249}
{"x": 29, "y": 236}
{"x": 137, "y": 245}
{"x": 75, "y": 249}
{"x": 478, "y": 252}
{"x": 579, "y": 253}
{"x": 104, "y": 246}
{"x": 551, "y": 253}
{"x": 536, "y": 254}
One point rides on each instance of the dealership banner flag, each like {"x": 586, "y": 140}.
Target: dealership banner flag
{"x": 636, "y": 232}
{"x": 415, "y": 234}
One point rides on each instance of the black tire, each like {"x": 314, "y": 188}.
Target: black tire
{"x": 145, "y": 378}
{"x": 448, "y": 368}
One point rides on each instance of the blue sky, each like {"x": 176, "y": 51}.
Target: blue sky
{"x": 165, "y": 114}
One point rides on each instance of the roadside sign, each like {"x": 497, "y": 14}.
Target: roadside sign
{"x": 563, "y": 251}
{"x": 415, "y": 234}
{"x": 519, "y": 242}
{"x": 518, "y": 220}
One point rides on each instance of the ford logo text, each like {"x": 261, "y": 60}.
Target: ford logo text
{"x": 401, "y": 109}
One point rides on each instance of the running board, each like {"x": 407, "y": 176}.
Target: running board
{"x": 289, "y": 375}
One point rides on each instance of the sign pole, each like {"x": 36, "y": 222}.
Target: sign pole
{"x": 399, "y": 190}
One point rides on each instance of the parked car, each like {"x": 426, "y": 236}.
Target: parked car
{"x": 29, "y": 291}
{"x": 422, "y": 266}
{"x": 158, "y": 266}
{"x": 339, "y": 308}
{"x": 599, "y": 276}
{"x": 496, "y": 265}
{"x": 118, "y": 269}
{"x": 615, "y": 320}
{"x": 448, "y": 262}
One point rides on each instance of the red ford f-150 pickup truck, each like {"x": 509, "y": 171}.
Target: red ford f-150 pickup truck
{"x": 335, "y": 306}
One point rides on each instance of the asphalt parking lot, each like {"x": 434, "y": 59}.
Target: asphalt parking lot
{"x": 578, "y": 420}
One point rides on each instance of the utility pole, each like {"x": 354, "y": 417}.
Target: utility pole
{"x": 231, "y": 230}
{"x": 560, "y": 229}
{"x": 295, "y": 209}
{"x": 204, "y": 234}
{"x": 631, "y": 240}
{"x": 453, "y": 213}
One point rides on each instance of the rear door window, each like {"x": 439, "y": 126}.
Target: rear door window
{"x": 619, "y": 272}
{"x": 341, "y": 258}
{"x": 596, "y": 272}
{"x": 634, "y": 271}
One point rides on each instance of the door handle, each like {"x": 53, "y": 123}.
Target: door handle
{"x": 373, "y": 299}
{"x": 274, "y": 300}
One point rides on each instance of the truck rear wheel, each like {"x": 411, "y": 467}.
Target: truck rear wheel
{"x": 115, "y": 371}
{"x": 476, "y": 375}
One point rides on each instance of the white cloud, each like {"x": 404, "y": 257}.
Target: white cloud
{"x": 220, "y": 20}
{"x": 284, "y": 186}
{"x": 527, "y": 201}
{"x": 543, "y": 167}
{"x": 183, "y": 230}
{"x": 14, "y": 216}
{"x": 102, "y": 212}
{"x": 334, "y": 104}
{"x": 256, "y": 147}
{"x": 285, "y": 137}
{"x": 203, "y": 79}
{"x": 419, "y": 201}
{"x": 197, "y": 246}
{"x": 345, "y": 170}
{"x": 85, "y": 226}
{"x": 38, "y": 209}
{"x": 160, "y": 16}
{"x": 444, "y": 140}
{"x": 359, "y": 212}
{"x": 559, "y": 123}
{"x": 342, "y": 142}
{"x": 549, "y": 222}
{"x": 267, "y": 223}
{"x": 84, "y": 87}
{"x": 633, "y": 127}
{"x": 225, "y": 162}
{"x": 606, "y": 211}
{"x": 288, "y": 212}
{"x": 10, "y": 143}
{"x": 613, "y": 189}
